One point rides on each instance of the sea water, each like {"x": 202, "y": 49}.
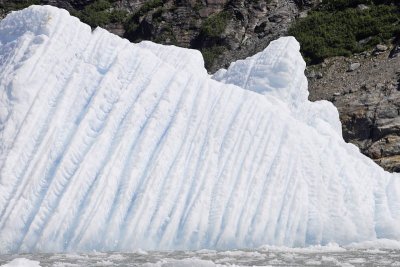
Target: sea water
{"x": 266, "y": 256}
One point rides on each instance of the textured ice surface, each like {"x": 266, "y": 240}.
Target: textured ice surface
{"x": 109, "y": 145}
{"x": 21, "y": 262}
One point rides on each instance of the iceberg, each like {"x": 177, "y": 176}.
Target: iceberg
{"x": 111, "y": 146}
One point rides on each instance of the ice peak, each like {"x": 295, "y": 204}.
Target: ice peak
{"x": 36, "y": 20}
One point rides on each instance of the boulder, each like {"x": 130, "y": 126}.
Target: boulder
{"x": 353, "y": 66}
{"x": 381, "y": 48}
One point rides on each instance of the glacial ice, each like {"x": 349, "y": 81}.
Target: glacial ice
{"x": 21, "y": 262}
{"x": 111, "y": 146}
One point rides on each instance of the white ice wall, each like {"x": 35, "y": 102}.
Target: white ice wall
{"x": 108, "y": 145}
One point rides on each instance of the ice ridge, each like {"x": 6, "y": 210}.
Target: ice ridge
{"x": 113, "y": 146}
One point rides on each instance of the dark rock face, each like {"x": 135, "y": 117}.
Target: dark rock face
{"x": 75, "y": 4}
{"x": 368, "y": 100}
{"x": 244, "y": 27}
{"x": 254, "y": 26}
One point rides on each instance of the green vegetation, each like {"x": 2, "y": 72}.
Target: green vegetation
{"x": 335, "y": 5}
{"x": 132, "y": 27}
{"x": 211, "y": 53}
{"x": 17, "y": 4}
{"x": 197, "y": 6}
{"x": 166, "y": 36}
{"x": 100, "y": 13}
{"x": 215, "y": 25}
{"x": 148, "y": 6}
{"x": 210, "y": 40}
{"x": 338, "y": 28}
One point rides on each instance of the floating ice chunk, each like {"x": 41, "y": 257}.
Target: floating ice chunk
{"x": 376, "y": 244}
{"x": 182, "y": 263}
{"x": 111, "y": 146}
{"x": 21, "y": 262}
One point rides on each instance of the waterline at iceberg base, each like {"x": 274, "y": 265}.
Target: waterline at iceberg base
{"x": 111, "y": 146}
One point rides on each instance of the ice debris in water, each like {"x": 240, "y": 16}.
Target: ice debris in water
{"x": 21, "y": 262}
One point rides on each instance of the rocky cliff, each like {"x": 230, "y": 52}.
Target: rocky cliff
{"x": 365, "y": 88}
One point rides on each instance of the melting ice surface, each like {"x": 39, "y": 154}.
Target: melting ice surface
{"x": 114, "y": 146}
